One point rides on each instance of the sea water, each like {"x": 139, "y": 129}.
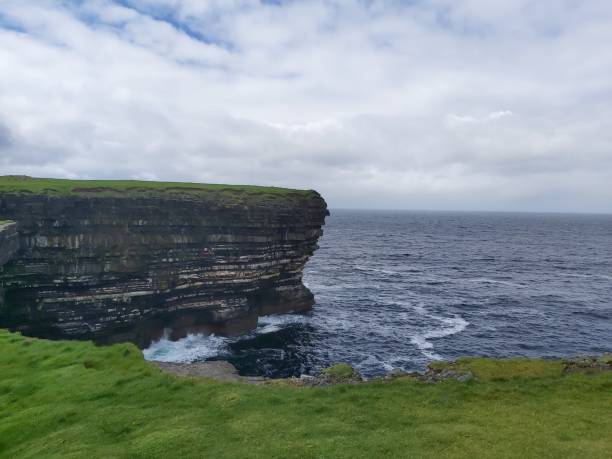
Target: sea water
{"x": 398, "y": 289}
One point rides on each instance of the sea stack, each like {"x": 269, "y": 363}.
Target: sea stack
{"x": 124, "y": 260}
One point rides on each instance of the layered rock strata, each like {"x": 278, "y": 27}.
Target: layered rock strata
{"x": 124, "y": 265}
{"x": 9, "y": 242}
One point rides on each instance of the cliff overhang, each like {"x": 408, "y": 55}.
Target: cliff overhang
{"x": 124, "y": 260}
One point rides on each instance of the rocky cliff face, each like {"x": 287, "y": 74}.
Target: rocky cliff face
{"x": 124, "y": 265}
{"x": 9, "y": 242}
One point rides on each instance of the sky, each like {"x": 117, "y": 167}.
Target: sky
{"x": 421, "y": 104}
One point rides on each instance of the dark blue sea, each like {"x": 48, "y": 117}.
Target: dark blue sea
{"x": 398, "y": 289}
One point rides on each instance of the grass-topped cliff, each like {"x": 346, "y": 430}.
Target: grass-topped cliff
{"x": 97, "y": 257}
{"x": 73, "y": 400}
{"x": 138, "y": 188}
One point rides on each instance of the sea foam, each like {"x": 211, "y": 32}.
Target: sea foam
{"x": 198, "y": 347}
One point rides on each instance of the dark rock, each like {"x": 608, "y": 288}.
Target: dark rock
{"x": 116, "y": 268}
{"x": 9, "y": 244}
{"x": 9, "y": 241}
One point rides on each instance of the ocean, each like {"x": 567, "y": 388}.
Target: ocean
{"x": 398, "y": 289}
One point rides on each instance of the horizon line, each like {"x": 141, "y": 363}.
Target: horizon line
{"x": 486, "y": 211}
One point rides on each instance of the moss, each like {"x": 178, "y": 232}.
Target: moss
{"x": 136, "y": 188}
{"x": 502, "y": 369}
{"x": 606, "y": 359}
{"x": 340, "y": 372}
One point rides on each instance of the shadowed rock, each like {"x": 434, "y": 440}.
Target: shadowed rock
{"x": 125, "y": 264}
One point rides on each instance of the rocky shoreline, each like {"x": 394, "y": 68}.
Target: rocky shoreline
{"x": 436, "y": 372}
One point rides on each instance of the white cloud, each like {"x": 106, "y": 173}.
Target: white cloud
{"x": 431, "y": 104}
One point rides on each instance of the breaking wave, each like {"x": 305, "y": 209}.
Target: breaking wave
{"x": 399, "y": 289}
{"x": 197, "y": 347}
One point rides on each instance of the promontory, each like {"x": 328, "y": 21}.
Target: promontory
{"x": 123, "y": 260}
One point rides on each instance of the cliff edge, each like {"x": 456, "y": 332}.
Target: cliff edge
{"x": 9, "y": 242}
{"x": 124, "y": 260}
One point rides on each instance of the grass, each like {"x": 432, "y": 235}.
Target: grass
{"x": 130, "y": 188}
{"x": 340, "y": 372}
{"x": 74, "y": 400}
{"x": 606, "y": 359}
{"x": 500, "y": 370}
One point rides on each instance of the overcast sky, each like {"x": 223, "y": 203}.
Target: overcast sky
{"x": 423, "y": 104}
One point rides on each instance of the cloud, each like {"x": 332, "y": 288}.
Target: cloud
{"x": 6, "y": 137}
{"x": 463, "y": 104}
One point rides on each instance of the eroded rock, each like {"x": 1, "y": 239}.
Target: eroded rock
{"x": 118, "y": 267}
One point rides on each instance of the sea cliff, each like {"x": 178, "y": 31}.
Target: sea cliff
{"x": 9, "y": 242}
{"x": 125, "y": 260}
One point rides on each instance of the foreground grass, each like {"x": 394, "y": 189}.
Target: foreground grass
{"x": 128, "y": 188}
{"x": 72, "y": 400}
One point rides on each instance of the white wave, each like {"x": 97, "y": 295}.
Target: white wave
{"x": 189, "y": 349}
{"x": 273, "y": 323}
{"x": 425, "y": 347}
{"x": 450, "y": 326}
{"x": 388, "y": 367}
{"x": 588, "y": 276}
{"x": 374, "y": 269}
{"x": 196, "y": 347}
{"x": 486, "y": 280}
{"x": 420, "y": 308}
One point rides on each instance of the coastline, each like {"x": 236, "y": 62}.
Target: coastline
{"x": 462, "y": 370}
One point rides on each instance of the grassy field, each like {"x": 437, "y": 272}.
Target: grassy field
{"x": 127, "y": 188}
{"x": 74, "y": 400}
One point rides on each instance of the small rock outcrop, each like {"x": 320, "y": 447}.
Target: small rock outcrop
{"x": 120, "y": 261}
{"x": 436, "y": 372}
{"x": 220, "y": 370}
{"x": 587, "y": 364}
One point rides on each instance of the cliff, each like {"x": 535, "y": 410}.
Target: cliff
{"x": 125, "y": 259}
{"x": 9, "y": 242}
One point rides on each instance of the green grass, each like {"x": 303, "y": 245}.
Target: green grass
{"x": 130, "y": 188}
{"x": 606, "y": 359}
{"x": 74, "y": 400}
{"x": 340, "y": 372}
{"x": 499, "y": 370}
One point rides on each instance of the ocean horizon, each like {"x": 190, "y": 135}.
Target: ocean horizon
{"x": 400, "y": 288}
